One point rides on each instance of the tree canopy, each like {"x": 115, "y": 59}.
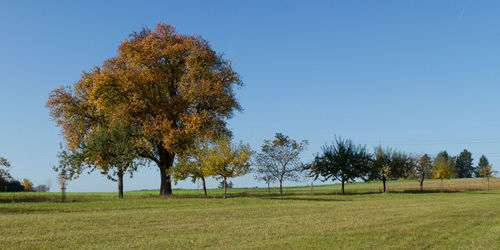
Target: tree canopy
{"x": 342, "y": 161}
{"x": 174, "y": 88}
{"x": 463, "y": 165}
{"x": 279, "y": 159}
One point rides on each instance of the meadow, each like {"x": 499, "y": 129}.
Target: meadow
{"x": 464, "y": 216}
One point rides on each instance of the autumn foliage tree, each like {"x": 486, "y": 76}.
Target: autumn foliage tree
{"x": 173, "y": 87}
{"x": 27, "y": 184}
{"x": 443, "y": 167}
{"x": 193, "y": 163}
{"x": 226, "y": 160}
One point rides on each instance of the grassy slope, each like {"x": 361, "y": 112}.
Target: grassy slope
{"x": 469, "y": 219}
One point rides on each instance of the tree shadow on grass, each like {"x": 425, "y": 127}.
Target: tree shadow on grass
{"x": 18, "y": 210}
{"x": 295, "y": 198}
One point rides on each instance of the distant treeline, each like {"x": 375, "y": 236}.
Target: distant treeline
{"x": 9, "y": 184}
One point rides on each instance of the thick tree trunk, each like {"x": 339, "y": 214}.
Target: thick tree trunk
{"x": 120, "y": 183}
{"x": 204, "y": 186}
{"x": 385, "y": 187}
{"x": 281, "y": 186}
{"x": 166, "y": 161}
{"x": 225, "y": 187}
{"x": 422, "y": 183}
{"x": 343, "y": 186}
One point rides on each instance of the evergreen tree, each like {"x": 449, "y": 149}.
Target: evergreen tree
{"x": 463, "y": 165}
{"x": 482, "y": 164}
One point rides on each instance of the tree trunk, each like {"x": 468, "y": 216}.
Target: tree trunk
{"x": 204, "y": 186}
{"x": 120, "y": 183}
{"x": 281, "y": 187}
{"x": 63, "y": 194}
{"x": 422, "y": 183}
{"x": 166, "y": 161}
{"x": 269, "y": 188}
{"x": 225, "y": 187}
{"x": 383, "y": 181}
{"x": 343, "y": 185}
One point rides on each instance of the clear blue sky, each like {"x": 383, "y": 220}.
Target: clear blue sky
{"x": 419, "y": 76}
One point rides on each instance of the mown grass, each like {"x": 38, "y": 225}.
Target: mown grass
{"x": 251, "y": 219}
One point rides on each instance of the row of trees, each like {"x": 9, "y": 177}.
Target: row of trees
{"x": 344, "y": 161}
{"x": 165, "y": 99}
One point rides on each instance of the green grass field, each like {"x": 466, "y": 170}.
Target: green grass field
{"x": 462, "y": 217}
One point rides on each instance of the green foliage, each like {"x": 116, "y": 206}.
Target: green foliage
{"x": 111, "y": 149}
{"x": 481, "y": 166}
{"x": 463, "y": 165}
{"x": 342, "y": 161}
{"x": 4, "y": 172}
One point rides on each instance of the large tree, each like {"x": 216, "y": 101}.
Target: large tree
{"x": 279, "y": 159}
{"x": 463, "y": 165}
{"x": 173, "y": 87}
{"x": 342, "y": 161}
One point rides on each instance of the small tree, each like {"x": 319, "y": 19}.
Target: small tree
{"x": 279, "y": 159}
{"x": 486, "y": 172}
{"x": 442, "y": 169}
{"x": 381, "y": 166}
{"x": 193, "y": 163}
{"x": 226, "y": 160}
{"x": 42, "y": 188}
{"x": 27, "y": 184}
{"x": 265, "y": 173}
{"x": 111, "y": 150}
{"x": 481, "y": 165}
{"x": 228, "y": 184}
{"x": 423, "y": 168}
{"x": 342, "y": 161}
